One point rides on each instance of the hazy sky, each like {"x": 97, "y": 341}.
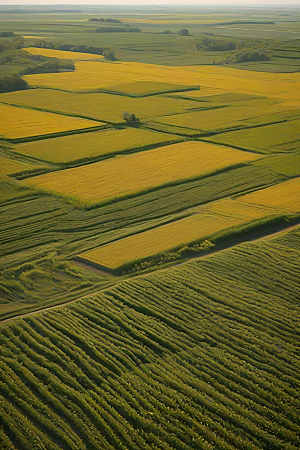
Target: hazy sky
{"x": 156, "y": 2}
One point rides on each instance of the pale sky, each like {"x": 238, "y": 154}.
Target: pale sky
{"x": 261, "y": 3}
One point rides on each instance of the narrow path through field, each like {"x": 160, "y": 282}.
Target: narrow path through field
{"x": 186, "y": 261}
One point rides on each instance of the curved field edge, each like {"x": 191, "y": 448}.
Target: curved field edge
{"x": 202, "y": 356}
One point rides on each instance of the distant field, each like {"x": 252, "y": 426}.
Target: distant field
{"x": 99, "y": 106}
{"x": 285, "y": 195}
{"x": 207, "y": 221}
{"x": 91, "y": 76}
{"x": 215, "y": 97}
{"x": 65, "y": 149}
{"x": 10, "y": 166}
{"x": 174, "y": 21}
{"x": 272, "y": 138}
{"x": 128, "y": 175}
{"x": 21, "y": 123}
{"x": 75, "y": 56}
{"x": 145, "y": 88}
{"x": 227, "y": 117}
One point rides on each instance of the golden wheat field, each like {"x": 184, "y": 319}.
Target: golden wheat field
{"x": 89, "y": 145}
{"x": 98, "y": 105}
{"x": 20, "y": 122}
{"x": 91, "y": 75}
{"x": 10, "y": 166}
{"x": 208, "y": 220}
{"x": 61, "y": 54}
{"x": 238, "y": 210}
{"x": 285, "y": 195}
{"x": 157, "y": 240}
{"x": 127, "y": 175}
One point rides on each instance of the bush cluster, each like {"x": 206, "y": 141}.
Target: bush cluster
{"x": 118, "y": 30}
{"x": 215, "y": 45}
{"x": 12, "y": 83}
{"x": 50, "y": 66}
{"x": 105, "y": 20}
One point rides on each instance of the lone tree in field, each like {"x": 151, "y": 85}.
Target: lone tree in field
{"x": 130, "y": 118}
{"x": 183, "y": 32}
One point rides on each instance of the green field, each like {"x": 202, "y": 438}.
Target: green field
{"x": 203, "y": 356}
{"x": 150, "y": 232}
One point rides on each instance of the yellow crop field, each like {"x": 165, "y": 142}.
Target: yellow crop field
{"x": 10, "y": 166}
{"x": 93, "y": 75}
{"x": 127, "y": 175}
{"x": 88, "y": 145}
{"x": 36, "y": 37}
{"x": 208, "y": 220}
{"x": 20, "y": 122}
{"x": 284, "y": 195}
{"x": 61, "y": 54}
{"x": 97, "y": 105}
{"x": 237, "y": 210}
{"x": 156, "y": 240}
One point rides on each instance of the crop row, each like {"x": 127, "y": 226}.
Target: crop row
{"x": 202, "y": 356}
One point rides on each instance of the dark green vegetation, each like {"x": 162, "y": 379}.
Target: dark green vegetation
{"x": 15, "y": 61}
{"x": 53, "y": 65}
{"x": 105, "y": 51}
{"x": 204, "y": 357}
{"x": 12, "y": 83}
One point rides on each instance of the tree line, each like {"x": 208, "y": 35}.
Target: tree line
{"x": 107, "y": 52}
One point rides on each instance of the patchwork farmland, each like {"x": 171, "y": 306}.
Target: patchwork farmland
{"x": 149, "y": 258}
{"x": 164, "y": 165}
